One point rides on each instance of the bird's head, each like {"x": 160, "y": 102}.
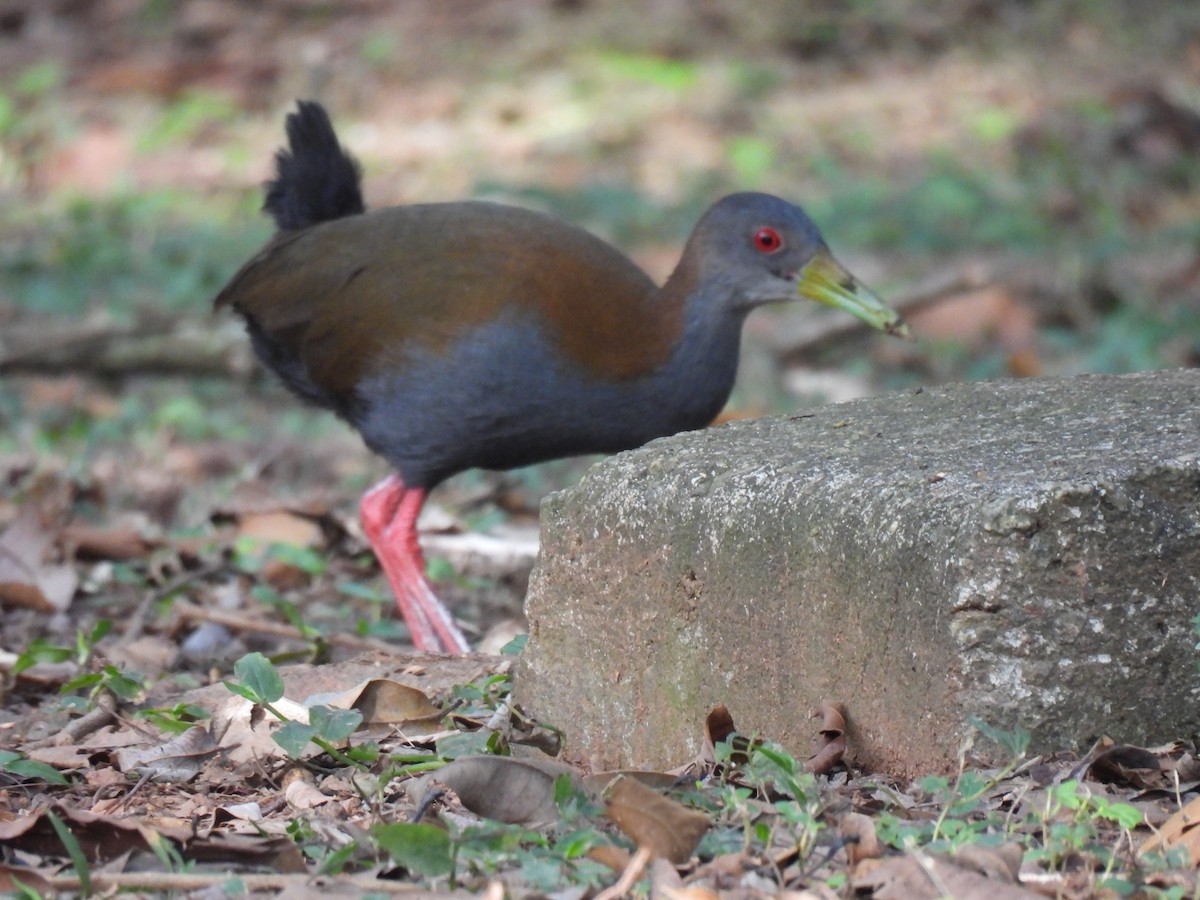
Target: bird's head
{"x": 760, "y": 249}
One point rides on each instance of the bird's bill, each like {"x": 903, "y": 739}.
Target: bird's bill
{"x": 825, "y": 280}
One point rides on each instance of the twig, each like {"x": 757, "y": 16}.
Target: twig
{"x": 137, "y": 621}
{"x": 632, "y": 873}
{"x": 193, "y": 881}
{"x": 54, "y": 344}
{"x": 241, "y": 622}
{"x": 94, "y": 719}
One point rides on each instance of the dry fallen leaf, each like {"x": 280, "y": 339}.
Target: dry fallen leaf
{"x": 301, "y": 794}
{"x": 719, "y": 728}
{"x": 27, "y": 577}
{"x": 718, "y": 724}
{"x": 1002, "y": 863}
{"x": 385, "y": 702}
{"x": 516, "y": 791}
{"x": 1111, "y": 763}
{"x": 282, "y": 527}
{"x": 666, "y": 883}
{"x": 175, "y": 762}
{"x": 923, "y": 876}
{"x": 597, "y": 783}
{"x": 1179, "y": 831}
{"x": 668, "y": 829}
{"x": 119, "y": 543}
{"x": 833, "y": 737}
{"x": 616, "y": 858}
{"x": 858, "y": 834}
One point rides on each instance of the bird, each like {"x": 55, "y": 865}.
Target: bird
{"x": 473, "y": 334}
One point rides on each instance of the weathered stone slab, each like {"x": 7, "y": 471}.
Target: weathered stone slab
{"x": 1027, "y": 552}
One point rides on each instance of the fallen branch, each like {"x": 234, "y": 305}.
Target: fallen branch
{"x": 97, "y": 346}
{"x": 241, "y": 622}
{"x": 194, "y": 881}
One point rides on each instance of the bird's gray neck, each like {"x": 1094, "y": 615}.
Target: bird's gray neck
{"x": 696, "y": 381}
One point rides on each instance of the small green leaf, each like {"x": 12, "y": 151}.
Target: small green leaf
{"x": 361, "y": 591}
{"x": 334, "y": 725}
{"x": 78, "y": 860}
{"x": 40, "y": 651}
{"x": 40, "y": 78}
{"x": 1014, "y": 742}
{"x": 438, "y": 569}
{"x": 176, "y": 719}
{"x": 1123, "y": 814}
{"x": 15, "y": 764}
{"x": 127, "y": 687}
{"x": 293, "y": 737}
{"x": 88, "y": 680}
{"x": 515, "y": 646}
{"x": 464, "y": 743}
{"x": 422, "y": 849}
{"x": 308, "y": 560}
{"x": 257, "y": 675}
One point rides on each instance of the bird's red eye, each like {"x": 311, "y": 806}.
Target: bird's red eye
{"x": 767, "y": 240}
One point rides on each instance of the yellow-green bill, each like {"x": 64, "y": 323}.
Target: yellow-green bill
{"x": 825, "y": 280}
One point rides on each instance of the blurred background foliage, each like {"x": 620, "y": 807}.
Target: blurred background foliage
{"x": 1023, "y": 174}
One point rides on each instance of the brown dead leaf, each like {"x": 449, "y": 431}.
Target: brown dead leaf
{"x": 1124, "y": 764}
{"x": 243, "y": 729}
{"x": 858, "y": 834}
{"x": 282, "y": 526}
{"x": 239, "y": 812}
{"x": 833, "y": 737}
{"x": 67, "y": 758}
{"x": 385, "y": 702}
{"x": 718, "y": 724}
{"x": 85, "y": 541}
{"x": 726, "y": 869}
{"x": 616, "y": 858}
{"x": 280, "y": 854}
{"x": 301, "y": 794}
{"x": 667, "y": 828}
{"x": 1186, "y": 768}
{"x": 597, "y": 782}
{"x": 102, "y": 837}
{"x": 27, "y": 576}
{"x": 30, "y": 878}
{"x": 1179, "y": 831}
{"x": 516, "y": 791}
{"x": 666, "y": 883}
{"x": 1002, "y": 863}
{"x": 175, "y": 762}
{"x": 719, "y": 728}
{"x": 923, "y": 876}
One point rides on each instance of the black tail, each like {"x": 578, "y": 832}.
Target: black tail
{"x": 316, "y": 180}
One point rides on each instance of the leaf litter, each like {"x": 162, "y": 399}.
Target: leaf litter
{"x": 175, "y": 782}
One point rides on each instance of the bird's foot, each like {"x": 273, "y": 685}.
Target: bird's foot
{"x": 389, "y": 516}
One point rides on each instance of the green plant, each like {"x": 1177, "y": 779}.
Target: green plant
{"x": 1070, "y": 824}
{"x": 260, "y": 683}
{"x": 42, "y": 651}
{"x": 16, "y": 765}
{"x": 30, "y": 119}
{"x": 74, "y": 852}
{"x": 127, "y": 686}
{"x": 175, "y": 719}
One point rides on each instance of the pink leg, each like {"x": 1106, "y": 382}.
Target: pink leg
{"x": 389, "y": 515}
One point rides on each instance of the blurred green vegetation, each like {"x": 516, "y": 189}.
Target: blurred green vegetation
{"x": 1050, "y": 188}
{"x": 163, "y": 249}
